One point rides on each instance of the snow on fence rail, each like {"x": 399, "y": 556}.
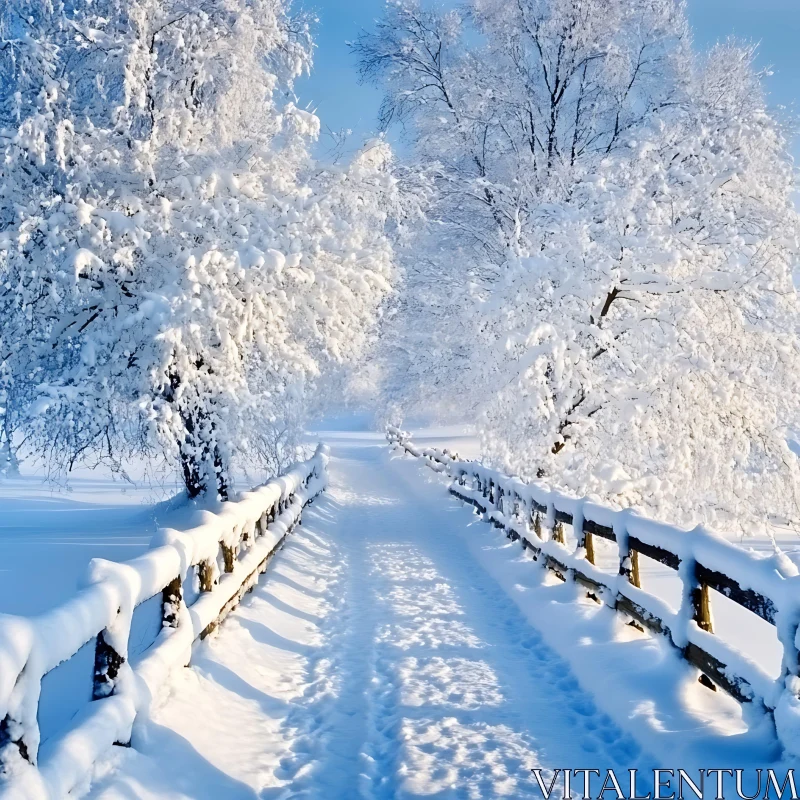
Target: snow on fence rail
{"x": 766, "y": 585}
{"x": 227, "y": 552}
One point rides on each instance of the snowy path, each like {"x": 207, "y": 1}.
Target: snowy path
{"x": 377, "y": 659}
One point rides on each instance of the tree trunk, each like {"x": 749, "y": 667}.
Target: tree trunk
{"x": 9, "y": 463}
{"x": 202, "y": 465}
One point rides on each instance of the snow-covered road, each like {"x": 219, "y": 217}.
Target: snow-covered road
{"x": 378, "y": 658}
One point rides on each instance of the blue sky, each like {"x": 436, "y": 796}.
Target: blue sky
{"x": 333, "y": 88}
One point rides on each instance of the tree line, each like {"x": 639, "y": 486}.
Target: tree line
{"x": 586, "y": 246}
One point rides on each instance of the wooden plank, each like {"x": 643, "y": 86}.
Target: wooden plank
{"x": 563, "y": 516}
{"x": 589, "y": 583}
{"x": 666, "y": 557}
{"x": 642, "y": 616}
{"x": 751, "y": 600}
{"x": 718, "y": 672}
{"x": 555, "y": 566}
{"x": 467, "y": 499}
{"x": 603, "y": 531}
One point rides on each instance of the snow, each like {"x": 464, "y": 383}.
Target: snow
{"x": 50, "y": 532}
{"x": 30, "y": 648}
{"x": 609, "y": 298}
{"x": 408, "y": 671}
{"x": 774, "y": 575}
{"x": 399, "y": 647}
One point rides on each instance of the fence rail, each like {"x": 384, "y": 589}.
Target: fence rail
{"x": 223, "y": 556}
{"x": 765, "y": 585}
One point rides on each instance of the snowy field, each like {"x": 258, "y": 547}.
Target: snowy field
{"x": 49, "y": 533}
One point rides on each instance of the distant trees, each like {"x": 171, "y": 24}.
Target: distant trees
{"x": 607, "y": 271}
{"x": 173, "y": 265}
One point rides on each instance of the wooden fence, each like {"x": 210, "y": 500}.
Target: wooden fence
{"x": 221, "y": 559}
{"x": 767, "y": 586}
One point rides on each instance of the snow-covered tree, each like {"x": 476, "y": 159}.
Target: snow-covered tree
{"x": 173, "y": 257}
{"x": 608, "y": 272}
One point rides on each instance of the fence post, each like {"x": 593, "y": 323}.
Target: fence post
{"x": 701, "y": 604}
{"x": 206, "y": 575}
{"x": 228, "y": 556}
{"x": 107, "y": 664}
{"x": 585, "y": 539}
{"x": 558, "y": 533}
{"x": 635, "y": 578}
{"x": 171, "y": 598}
{"x": 629, "y": 567}
{"x": 628, "y": 558}
{"x": 588, "y": 543}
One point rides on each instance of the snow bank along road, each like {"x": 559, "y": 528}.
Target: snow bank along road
{"x": 398, "y": 647}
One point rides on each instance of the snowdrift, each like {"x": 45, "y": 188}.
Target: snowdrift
{"x": 765, "y": 585}
{"x": 200, "y": 575}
